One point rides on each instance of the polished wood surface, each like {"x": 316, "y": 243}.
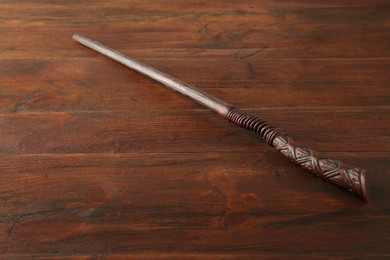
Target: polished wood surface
{"x": 100, "y": 162}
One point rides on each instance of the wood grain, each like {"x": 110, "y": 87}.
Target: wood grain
{"x": 98, "y": 162}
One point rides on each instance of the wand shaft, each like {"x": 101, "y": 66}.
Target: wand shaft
{"x": 170, "y": 82}
{"x": 350, "y": 178}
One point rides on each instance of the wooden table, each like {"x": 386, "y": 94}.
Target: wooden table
{"x": 100, "y": 161}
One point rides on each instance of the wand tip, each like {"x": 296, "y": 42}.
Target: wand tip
{"x": 77, "y": 37}
{"x": 84, "y": 41}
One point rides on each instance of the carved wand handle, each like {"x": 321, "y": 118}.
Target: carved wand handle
{"x": 348, "y": 177}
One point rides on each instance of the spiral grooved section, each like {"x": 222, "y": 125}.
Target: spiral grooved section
{"x": 255, "y": 124}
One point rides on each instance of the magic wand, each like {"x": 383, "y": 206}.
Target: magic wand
{"x": 350, "y": 178}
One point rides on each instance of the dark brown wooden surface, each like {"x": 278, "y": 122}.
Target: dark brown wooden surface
{"x": 100, "y": 162}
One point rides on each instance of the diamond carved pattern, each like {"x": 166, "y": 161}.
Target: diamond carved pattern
{"x": 346, "y": 176}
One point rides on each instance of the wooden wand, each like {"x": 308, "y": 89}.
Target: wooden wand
{"x": 350, "y": 178}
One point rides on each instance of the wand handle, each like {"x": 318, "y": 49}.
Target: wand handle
{"x": 350, "y": 178}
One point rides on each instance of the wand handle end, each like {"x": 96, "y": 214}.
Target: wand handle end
{"x": 350, "y": 178}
